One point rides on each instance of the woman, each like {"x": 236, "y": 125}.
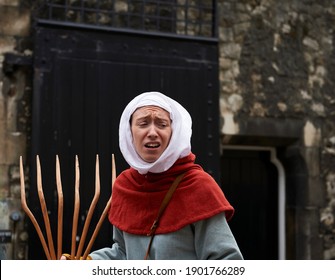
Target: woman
{"x": 154, "y": 138}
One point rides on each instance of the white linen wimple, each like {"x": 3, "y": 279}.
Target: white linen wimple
{"x": 180, "y": 142}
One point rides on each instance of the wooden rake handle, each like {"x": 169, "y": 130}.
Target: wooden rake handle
{"x": 90, "y": 210}
{"x": 49, "y": 248}
{"x": 44, "y": 209}
{"x": 103, "y": 215}
{"x": 60, "y": 209}
{"x": 76, "y": 210}
{"x": 30, "y": 214}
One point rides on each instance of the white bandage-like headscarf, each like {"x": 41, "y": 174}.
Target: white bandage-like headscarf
{"x": 180, "y": 142}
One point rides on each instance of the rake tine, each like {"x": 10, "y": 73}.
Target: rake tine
{"x": 76, "y": 211}
{"x": 30, "y": 214}
{"x": 97, "y": 228}
{"x": 60, "y": 209}
{"x": 113, "y": 171}
{"x": 44, "y": 209}
{"x": 103, "y": 215}
{"x": 91, "y": 209}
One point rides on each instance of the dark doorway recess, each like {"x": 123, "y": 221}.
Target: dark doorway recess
{"x": 250, "y": 182}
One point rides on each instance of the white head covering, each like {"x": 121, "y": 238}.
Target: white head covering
{"x": 180, "y": 142}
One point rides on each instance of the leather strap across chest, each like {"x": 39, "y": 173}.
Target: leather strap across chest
{"x": 163, "y": 206}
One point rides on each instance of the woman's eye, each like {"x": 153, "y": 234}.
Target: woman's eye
{"x": 163, "y": 124}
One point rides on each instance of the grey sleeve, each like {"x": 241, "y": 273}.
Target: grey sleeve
{"x": 214, "y": 239}
{"x": 116, "y": 252}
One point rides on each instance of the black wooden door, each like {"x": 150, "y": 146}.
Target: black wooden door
{"x": 83, "y": 80}
{"x": 250, "y": 182}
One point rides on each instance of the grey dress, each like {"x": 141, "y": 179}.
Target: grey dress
{"x": 209, "y": 239}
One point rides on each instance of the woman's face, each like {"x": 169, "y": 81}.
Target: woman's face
{"x": 151, "y": 130}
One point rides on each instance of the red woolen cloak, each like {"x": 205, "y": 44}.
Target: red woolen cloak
{"x": 137, "y": 198}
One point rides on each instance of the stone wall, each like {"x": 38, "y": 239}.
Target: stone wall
{"x": 15, "y": 91}
{"x": 277, "y": 63}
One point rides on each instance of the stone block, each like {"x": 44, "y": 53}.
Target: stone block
{"x": 14, "y": 22}
{"x": 16, "y": 147}
{"x": 7, "y": 44}
{"x": 12, "y": 3}
{"x": 3, "y": 147}
{"x": 312, "y": 159}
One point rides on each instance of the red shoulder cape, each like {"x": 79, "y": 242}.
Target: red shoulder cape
{"x": 137, "y": 198}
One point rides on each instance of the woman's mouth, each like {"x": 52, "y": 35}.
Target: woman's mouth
{"x": 152, "y": 145}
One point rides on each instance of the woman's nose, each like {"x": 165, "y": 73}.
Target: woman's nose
{"x": 152, "y": 131}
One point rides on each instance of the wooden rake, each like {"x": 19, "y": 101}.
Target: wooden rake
{"x": 48, "y": 247}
